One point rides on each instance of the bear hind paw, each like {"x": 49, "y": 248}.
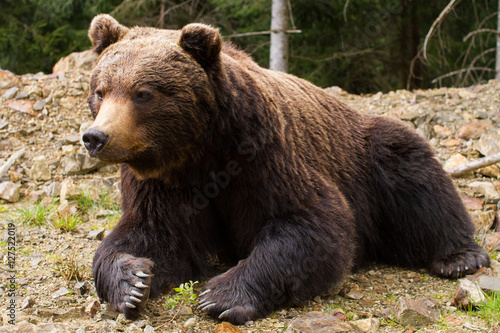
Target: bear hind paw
{"x": 460, "y": 264}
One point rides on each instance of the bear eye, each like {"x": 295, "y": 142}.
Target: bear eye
{"x": 99, "y": 94}
{"x": 143, "y": 96}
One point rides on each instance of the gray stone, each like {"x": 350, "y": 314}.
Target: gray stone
{"x": 39, "y": 105}
{"x": 72, "y": 139}
{"x": 96, "y": 234}
{"x": 28, "y": 302}
{"x": 485, "y": 188}
{"x": 52, "y": 189}
{"x": 149, "y": 329}
{"x": 417, "y": 313}
{"x": 320, "y": 322}
{"x": 489, "y": 144}
{"x": 82, "y": 287}
{"x": 10, "y": 93}
{"x": 489, "y": 284}
{"x": 69, "y": 191}
{"x": 10, "y": 191}
{"x": 468, "y": 295}
{"x": 22, "y": 95}
{"x": 79, "y": 164}
{"x": 61, "y": 292}
{"x": 369, "y": 325}
{"x": 40, "y": 170}
{"x": 191, "y": 322}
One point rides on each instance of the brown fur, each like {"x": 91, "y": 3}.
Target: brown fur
{"x": 221, "y": 157}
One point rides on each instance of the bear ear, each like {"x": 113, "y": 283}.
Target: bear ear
{"x": 104, "y": 31}
{"x": 203, "y": 42}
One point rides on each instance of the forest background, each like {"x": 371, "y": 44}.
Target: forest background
{"x": 362, "y": 46}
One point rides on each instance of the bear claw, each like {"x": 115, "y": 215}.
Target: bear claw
{"x": 142, "y": 274}
{"x": 130, "y": 305}
{"x": 136, "y": 293}
{"x": 135, "y": 299}
{"x": 140, "y": 284}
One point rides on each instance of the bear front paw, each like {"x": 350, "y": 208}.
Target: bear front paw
{"x": 229, "y": 302}
{"x": 128, "y": 284}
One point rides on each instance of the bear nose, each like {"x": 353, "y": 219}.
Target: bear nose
{"x": 94, "y": 140}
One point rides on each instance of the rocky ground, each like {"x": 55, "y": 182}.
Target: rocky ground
{"x": 59, "y": 204}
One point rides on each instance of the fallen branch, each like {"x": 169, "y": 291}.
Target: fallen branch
{"x": 473, "y": 165}
{"x": 436, "y": 23}
{"x": 479, "y": 31}
{"x": 10, "y": 161}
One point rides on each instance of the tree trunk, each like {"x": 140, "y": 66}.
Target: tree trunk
{"x": 278, "y": 60}
{"x": 497, "y": 67}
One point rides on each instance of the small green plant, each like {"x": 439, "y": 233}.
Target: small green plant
{"x": 490, "y": 311}
{"x": 106, "y": 202}
{"x": 37, "y": 214}
{"x": 67, "y": 222}
{"x": 85, "y": 202}
{"x": 3, "y": 209}
{"x": 184, "y": 295}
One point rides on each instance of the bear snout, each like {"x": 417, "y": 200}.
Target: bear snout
{"x": 94, "y": 140}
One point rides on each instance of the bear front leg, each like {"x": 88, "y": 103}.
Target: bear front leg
{"x": 123, "y": 280}
{"x": 293, "y": 260}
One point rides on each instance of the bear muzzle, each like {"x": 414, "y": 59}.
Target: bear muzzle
{"x": 94, "y": 140}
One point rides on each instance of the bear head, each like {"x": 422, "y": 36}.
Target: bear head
{"x": 150, "y": 95}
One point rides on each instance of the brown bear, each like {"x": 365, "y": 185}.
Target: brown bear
{"x": 224, "y": 160}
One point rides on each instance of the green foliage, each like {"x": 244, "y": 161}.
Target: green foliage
{"x": 85, "y": 202}
{"x": 35, "y": 34}
{"x": 367, "y": 46}
{"x": 37, "y": 214}
{"x": 67, "y": 223}
{"x": 490, "y": 311}
{"x": 184, "y": 295}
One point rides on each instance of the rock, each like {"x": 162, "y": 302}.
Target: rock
{"x": 472, "y": 203}
{"x": 39, "y": 105}
{"x": 319, "y": 322}
{"x": 10, "y": 191}
{"x": 92, "y": 307}
{"x": 449, "y": 143}
{"x": 36, "y": 195}
{"x": 72, "y": 139}
{"x": 97, "y": 235}
{"x": 490, "y": 171}
{"x": 485, "y": 188}
{"x": 354, "y": 294}
{"x": 468, "y": 295}
{"x": 455, "y": 161}
{"x": 489, "y": 144}
{"x": 149, "y": 329}
{"x": 417, "y": 313}
{"x": 69, "y": 191}
{"x": 466, "y": 94}
{"x": 441, "y": 131}
{"x": 15, "y": 176}
{"x": 82, "y": 288}
{"x": 28, "y": 302}
{"x": 69, "y": 149}
{"x": 61, "y": 292}
{"x": 474, "y": 130}
{"x": 10, "y": 93}
{"x": 489, "y": 284}
{"x": 369, "y": 325}
{"x": 82, "y": 61}
{"x": 40, "y": 170}
{"x": 227, "y": 328}
{"x": 191, "y": 322}
{"x": 79, "y": 164}
{"x": 24, "y": 106}
{"x": 495, "y": 268}
{"x": 52, "y": 189}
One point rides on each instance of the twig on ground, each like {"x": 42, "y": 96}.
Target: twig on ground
{"x": 473, "y": 165}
